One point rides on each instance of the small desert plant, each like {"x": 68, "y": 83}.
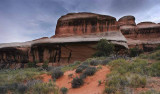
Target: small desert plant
{"x": 137, "y": 81}
{"x": 99, "y": 67}
{"x": 90, "y": 71}
{"x": 31, "y": 64}
{"x": 44, "y": 88}
{"x": 83, "y": 76}
{"x": 133, "y": 52}
{"x": 94, "y": 62}
{"x": 64, "y": 90}
{"x": 57, "y": 73}
{"x": 71, "y": 66}
{"x": 99, "y": 82}
{"x": 105, "y": 62}
{"x": 70, "y": 75}
{"x": 155, "y": 69}
{"x": 77, "y": 82}
{"x": 110, "y": 90}
{"x": 150, "y": 92}
{"x": 22, "y": 88}
{"x": 45, "y": 65}
{"x": 79, "y": 70}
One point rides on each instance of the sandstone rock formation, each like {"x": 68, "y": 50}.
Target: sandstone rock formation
{"x": 75, "y": 37}
{"x": 84, "y": 23}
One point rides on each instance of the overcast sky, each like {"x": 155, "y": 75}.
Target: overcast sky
{"x": 24, "y": 20}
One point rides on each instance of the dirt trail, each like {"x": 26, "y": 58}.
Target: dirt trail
{"x": 91, "y": 82}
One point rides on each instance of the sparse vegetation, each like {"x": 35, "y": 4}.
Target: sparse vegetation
{"x": 99, "y": 82}
{"x": 90, "y": 71}
{"x": 133, "y": 52}
{"x": 64, "y": 90}
{"x": 71, "y": 66}
{"x": 77, "y": 82}
{"x": 45, "y": 65}
{"x": 57, "y": 73}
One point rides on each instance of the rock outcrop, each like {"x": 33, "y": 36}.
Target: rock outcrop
{"x": 84, "y": 23}
{"x": 76, "y": 36}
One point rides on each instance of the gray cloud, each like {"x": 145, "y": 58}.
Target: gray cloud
{"x": 23, "y": 20}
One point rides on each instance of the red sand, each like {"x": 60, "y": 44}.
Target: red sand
{"x": 91, "y": 82}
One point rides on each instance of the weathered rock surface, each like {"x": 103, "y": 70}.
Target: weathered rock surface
{"x": 127, "y": 20}
{"x": 76, "y": 36}
{"x": 84, "y": 23}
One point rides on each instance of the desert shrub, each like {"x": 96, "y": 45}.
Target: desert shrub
{"x": 117, "y": 80}
{"x": 99, "y": 67}
{"x": 22, "y": 88}
{"x": 137, "y": 81}
{"x": 83, "y": 76}
{"x": 94, "y": 62}
{"x": 133, "y": 52}
{"x": 104, "y": 48}
{"x": 18, "y": 75}
{"x": 79, "y": 70}
{"x": 83, "y": 66}
{"x": 77, "y": 82}
{"x": 150, "y": 92}
{"x": 99, "y": 82}
{"x": 90, "y": 71}
{"x": 158, "y": 47}
{"x": 44, "y": 88}
{"x": 155, "y": 69}
{"x": 105, "y": 62}
{"x": 155, "y": 55}
{"x": 3, "y": 89}
{"x": 139, "y": 66}
{"x": 30, "y": 83}
{"x": 70, "y": 75}
{"x": 45, "y": 65}
{"x": 110, "y": 90}
{"x": 31, "y": 64}
{"x": 57, "y": 73}
{"x": 64, "y": 90}
{"x": 115, "y": 64}
{"x": 71, "y": 66}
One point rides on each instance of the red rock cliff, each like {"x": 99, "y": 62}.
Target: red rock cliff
{"x": 84, "y": 23}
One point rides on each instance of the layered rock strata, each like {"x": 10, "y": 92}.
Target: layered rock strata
{"x": 75, "y": 38}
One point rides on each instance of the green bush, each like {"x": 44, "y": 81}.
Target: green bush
{"x": 71, "y": 66}
{"x": 57, "y": 73}
{"x": 31, "y": 64}
{"x": 94, "y": 62}
{"x": 90, "y": 71}
{"x": 137, "y": 81}
{"x": 64, "y": 90}
{"x": 43, "y": 88}
{"x": 110, "y": 90}
{"x": 77, "y": 82}
{"x": 150, "y": 92}
{"x": 104, "y": 48}
{"x": 117, "y": 80}
{"x": 83, "y": 76}
{"x": 45, "y": 65}
{"x": 155, "y": 69}
{"x": 133, "y": 52}
{"x": 79, "y": 70}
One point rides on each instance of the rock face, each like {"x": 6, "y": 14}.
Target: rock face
{"x": 84, "y": 23}
{"x": 145, "y": 35}
{"x": 127, "y": 20}
{"x": 76, "y": 36}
